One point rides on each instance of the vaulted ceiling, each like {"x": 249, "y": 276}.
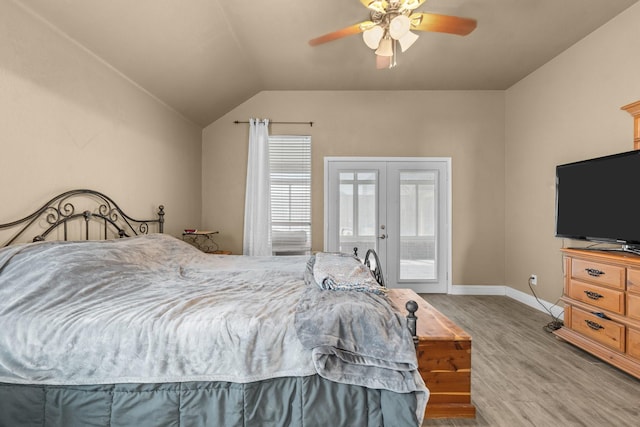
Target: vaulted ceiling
{"x": 204, "y": 57}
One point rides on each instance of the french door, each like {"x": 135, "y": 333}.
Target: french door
{"x": 397, "y": 206}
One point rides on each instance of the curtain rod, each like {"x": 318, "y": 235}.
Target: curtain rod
{"x": 282, "y": 123}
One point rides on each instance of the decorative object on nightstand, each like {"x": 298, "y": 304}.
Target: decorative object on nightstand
{"x": 203, "y": 240}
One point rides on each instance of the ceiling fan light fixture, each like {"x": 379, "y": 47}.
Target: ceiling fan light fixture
{"x": 407, "y": 40}
{"x": 385, "y": 48}
{"x": 375, "y": 5}
{"x": 372, "y": 36}
{"x": 383, "y": 62}
{"x": 399, "y": 26}
{"x": 410, "y": 4}
{"x": 392, "y": 26}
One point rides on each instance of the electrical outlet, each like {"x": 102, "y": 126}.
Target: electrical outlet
{"x": 533, "y": 279}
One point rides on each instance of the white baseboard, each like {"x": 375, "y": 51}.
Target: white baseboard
{"x": 515, "y": 294}
{"x": 477, "y": 290}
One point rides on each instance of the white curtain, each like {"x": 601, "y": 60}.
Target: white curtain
{"x": 257, "y": 211}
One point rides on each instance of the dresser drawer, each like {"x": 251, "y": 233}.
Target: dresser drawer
{"x": 633, "y": 306}
{"x": 604, "y": 331}
{"x": 596, "y": 272}
{"x": 597, "y": 296}
{"x": 633, "y": 342}
{"x": 633, "y": 280}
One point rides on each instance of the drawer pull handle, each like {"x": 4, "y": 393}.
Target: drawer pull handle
{"x": 594, "y": 325}
{"x": 593, "y": 295}
{"x": 594, "y": 272}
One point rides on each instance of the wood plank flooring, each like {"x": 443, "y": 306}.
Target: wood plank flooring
{"x": 525, "y": 376}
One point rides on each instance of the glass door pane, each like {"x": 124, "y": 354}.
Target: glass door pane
{"x": 418, "y": 225}
{"x": 357, "y": 210}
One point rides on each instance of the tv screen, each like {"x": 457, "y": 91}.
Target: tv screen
{"x": 599, "y": 199}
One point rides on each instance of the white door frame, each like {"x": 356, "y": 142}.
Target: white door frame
{"x": 448, "y": 216}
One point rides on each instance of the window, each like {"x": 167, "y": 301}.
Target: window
{"x": 290, "y": 164}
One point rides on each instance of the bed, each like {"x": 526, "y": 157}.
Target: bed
{"x": 141, "y": 328}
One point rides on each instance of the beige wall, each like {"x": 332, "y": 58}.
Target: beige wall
{"x": 467, "y": 126}
{"x": 567, "y": 110}
{"x": 70, "y": 121}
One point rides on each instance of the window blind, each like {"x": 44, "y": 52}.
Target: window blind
{"x": 290, "y": 164}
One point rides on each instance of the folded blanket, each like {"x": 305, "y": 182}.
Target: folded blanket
{"x": 342, "y": 272}
{"x": 357, "y": 337}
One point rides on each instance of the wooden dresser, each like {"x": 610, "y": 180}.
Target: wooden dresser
{"x": 602, "y": 306}
{"x": 444, "y": 358}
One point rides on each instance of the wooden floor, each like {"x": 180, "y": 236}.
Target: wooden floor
{"x": 525, "y": 376}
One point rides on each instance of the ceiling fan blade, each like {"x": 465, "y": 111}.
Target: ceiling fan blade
{"x": 442, "y": 23}
{"x": 348, "y": 31}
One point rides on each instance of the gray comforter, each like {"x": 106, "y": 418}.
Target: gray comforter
{"x": 153, "y": 309}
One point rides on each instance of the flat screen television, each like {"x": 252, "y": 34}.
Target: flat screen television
{"x": 599, "y": 200}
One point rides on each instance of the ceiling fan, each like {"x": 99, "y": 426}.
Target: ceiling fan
{"x": 391, "y": 24}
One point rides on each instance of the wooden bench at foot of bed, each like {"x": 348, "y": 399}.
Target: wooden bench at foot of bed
{"x": 444, "y": 358}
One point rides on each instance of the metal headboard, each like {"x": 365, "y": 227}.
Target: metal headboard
{"x": 60, "y": 211}
{"x": 372, "y": 261}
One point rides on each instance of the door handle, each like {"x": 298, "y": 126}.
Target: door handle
{"x": 382, "y": 236}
